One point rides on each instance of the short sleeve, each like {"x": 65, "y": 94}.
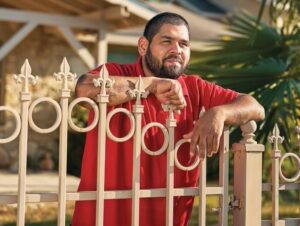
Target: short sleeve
{"x": 212, "y": 95}
{"x": 113, "y": 69}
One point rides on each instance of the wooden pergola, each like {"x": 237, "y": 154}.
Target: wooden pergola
{"x": 71, "y": 17}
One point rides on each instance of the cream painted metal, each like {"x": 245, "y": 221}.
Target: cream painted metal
{"x": 246, "y": 202}
{"x": 64, "y": 75}
{"x": 25, "y": 98}
{"x": 287, "y": 183}
{"x": 247, "y": 154}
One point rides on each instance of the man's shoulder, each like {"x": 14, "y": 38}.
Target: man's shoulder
{"x": 190, "y": 78}
{"x": 121, "y": 69}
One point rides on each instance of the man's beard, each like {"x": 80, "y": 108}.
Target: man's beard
{"x": 162, "y": 71}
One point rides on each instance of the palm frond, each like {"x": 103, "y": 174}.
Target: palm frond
{"x": 264, "y": 63}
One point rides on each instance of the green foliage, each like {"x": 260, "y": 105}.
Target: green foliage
{"x": 263, "y": 60}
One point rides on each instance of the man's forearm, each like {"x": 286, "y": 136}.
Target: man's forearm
{"x": 242, "y": 110}
{"x": 118, "y": 93}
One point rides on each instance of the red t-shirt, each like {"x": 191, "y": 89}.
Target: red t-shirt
{"x": 118, "y": 168}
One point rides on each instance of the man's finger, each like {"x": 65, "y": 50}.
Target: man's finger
{"x": 202, "y": 147}
{"x": 194, "y": 142}
{"x": 216, "y": 144}
{"x": 209, "y": 144}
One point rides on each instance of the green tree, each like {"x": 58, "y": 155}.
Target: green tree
{"x": 263, "y": 60}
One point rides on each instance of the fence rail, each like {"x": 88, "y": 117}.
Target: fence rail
{"x": 246, "y": 203}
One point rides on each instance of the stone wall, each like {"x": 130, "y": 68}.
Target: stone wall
{"x": 45, "y": 49}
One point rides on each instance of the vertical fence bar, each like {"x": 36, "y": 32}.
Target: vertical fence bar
{"x": 247, "y": 178}
{"x": 63, "y": 75}
{"x": 202, "y": 193}
{"x": 275, "y": 139}
{"x": 298, "y": 138}
{"x": 171, "y": 124}
{"x": 25, "y": 98}
{"x": 223, "y": 178}
{"x": 298, "y": 143}
{"x": 202, "y": 186}
{"x": 104, "y": 82}
{"x": 138, "y": 110}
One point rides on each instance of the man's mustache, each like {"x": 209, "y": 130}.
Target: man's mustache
{"x": 173, "y": 57}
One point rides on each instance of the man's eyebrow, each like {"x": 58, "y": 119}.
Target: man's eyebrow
{"x": 171, "y": 38}
{"x": 166, "y": 37}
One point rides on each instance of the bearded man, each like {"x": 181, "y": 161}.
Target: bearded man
{"x": 164, "y": 53}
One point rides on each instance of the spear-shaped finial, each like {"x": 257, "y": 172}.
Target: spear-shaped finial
{"x": 139, "y": 91}
{"x": 65, "y": 75}
{"x": 276, "y": 138}
{"x": 26, "y": 76}
{"x": 103, "y": 80}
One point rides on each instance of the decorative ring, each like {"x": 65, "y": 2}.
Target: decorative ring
{"x": 96, "y": 114}
{"x": 132, "y": 122}
{"x": 296, "y": 177}
{"x": 178, "y": 164}
{"x": 18, "y": 124}
{"x": 166, "y": 139}
{"x": 58, "y": 116}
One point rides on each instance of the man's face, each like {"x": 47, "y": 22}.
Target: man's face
{"x": 168, "y": 53}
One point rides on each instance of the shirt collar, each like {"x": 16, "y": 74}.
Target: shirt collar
{"x": 139, "y": 70}
{"x": 139, "y": 67}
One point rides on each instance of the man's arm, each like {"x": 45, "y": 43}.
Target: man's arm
{"x": 209, "y": 128}
{"x": 167, "y": 91}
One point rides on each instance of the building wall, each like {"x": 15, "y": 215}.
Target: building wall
{"x": 45, "y": 48}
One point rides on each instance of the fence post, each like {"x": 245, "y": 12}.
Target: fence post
{"x": 64, "y": 75}
{"x": 247, "y": 188}
{"x": 138, "y": 110}
{"x": 25, "y": 78}
{"x": 103, "y": 81}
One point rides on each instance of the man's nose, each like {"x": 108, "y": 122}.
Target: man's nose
{"x": 176, "y": 48}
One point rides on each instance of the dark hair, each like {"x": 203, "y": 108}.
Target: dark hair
{"x": 155, "y": 23}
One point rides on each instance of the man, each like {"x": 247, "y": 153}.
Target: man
{"x": 164, "y": 51}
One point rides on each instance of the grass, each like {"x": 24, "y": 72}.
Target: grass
{"x": 45, "y": 214}
{"x": 40, "y": 214}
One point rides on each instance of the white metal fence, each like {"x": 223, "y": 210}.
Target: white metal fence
{"x": 246, "y": 202}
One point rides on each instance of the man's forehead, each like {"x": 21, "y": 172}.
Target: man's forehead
{"x": 171, "y": 30}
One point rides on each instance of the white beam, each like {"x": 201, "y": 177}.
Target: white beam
{"x": 48, "y": 19}
{"x": 135, "y": 8}
{"x": 83, "y": 52}
{"x": 110, "y": 13}
{"x": 102, "y": 47}
{"x": 115, "y": 13}
{"x": 16, "y": 39}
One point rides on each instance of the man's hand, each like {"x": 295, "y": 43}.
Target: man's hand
{"x": 207, "y": 133}
{"x": 209, "y": 128}
{"x": 168, "y": 91}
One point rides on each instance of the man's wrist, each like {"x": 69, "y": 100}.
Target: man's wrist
{"x": 152, "y": 88}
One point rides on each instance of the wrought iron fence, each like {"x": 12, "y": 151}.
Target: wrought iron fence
{"x": 246, "y": 202}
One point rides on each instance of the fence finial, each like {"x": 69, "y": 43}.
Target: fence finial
{"x": 26, "y": 76}
{"x": 275, "y": 138}
{"x": 103, "y": 81}
{"x": 248, "y": 130}
{"x": 65, "y": 75}
{"x": 139, "y": 91}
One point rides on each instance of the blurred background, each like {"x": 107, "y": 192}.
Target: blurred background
{"x": 251, "y": 46}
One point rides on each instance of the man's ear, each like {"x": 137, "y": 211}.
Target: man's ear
{"x": 143, "y": 45}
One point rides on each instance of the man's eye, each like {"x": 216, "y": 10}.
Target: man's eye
{"x": 166, "y": 41}
{"x": 184, "y": 44}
